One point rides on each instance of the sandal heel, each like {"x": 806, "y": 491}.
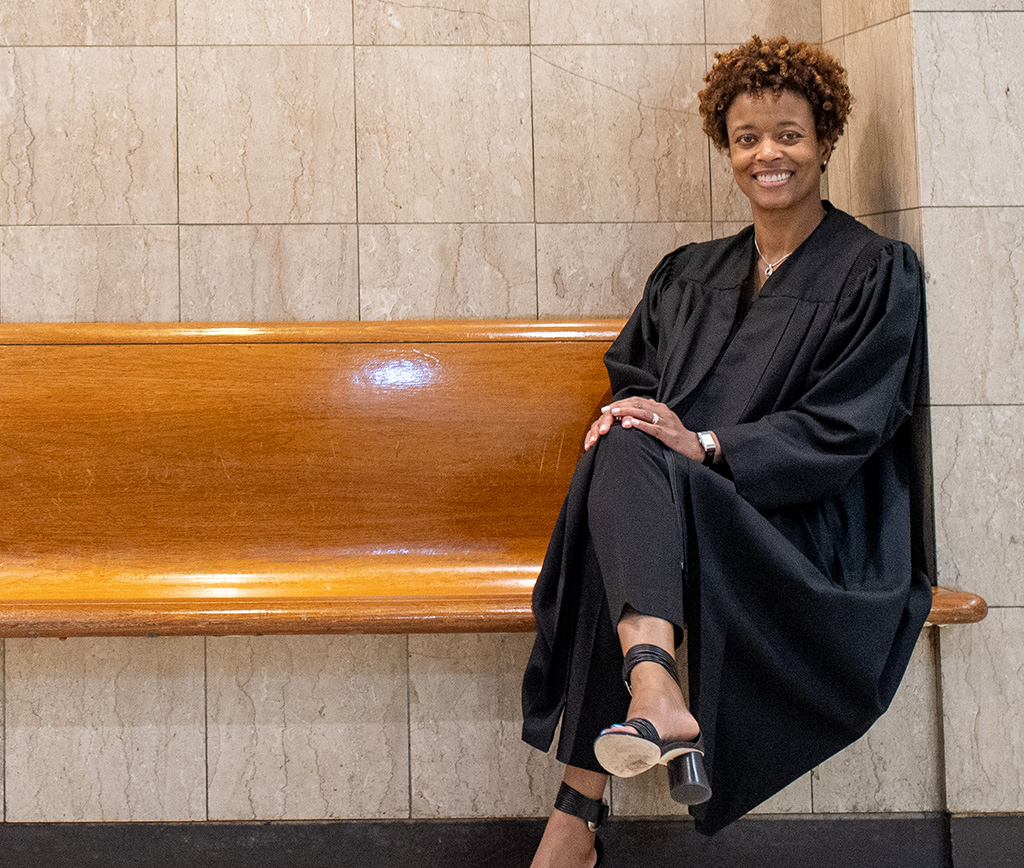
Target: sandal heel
{"x": 687, "y": 779}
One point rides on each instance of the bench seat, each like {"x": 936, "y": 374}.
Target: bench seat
{"x": 170, "y": 479}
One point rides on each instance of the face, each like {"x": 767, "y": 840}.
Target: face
{"x": 775, "y": 153}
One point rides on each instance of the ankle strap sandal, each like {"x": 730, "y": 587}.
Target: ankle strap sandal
{"x": 626, "y": 754}
{"x": 571, "y": 801}
{"x": 592, "y": 811}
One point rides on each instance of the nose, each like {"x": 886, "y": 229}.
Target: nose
{"x": 768, "y": 148}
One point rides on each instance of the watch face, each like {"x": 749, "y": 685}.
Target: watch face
{"x": 706, "y": 440}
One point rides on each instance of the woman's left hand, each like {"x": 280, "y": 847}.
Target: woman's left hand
{"x": 659, "y": 421}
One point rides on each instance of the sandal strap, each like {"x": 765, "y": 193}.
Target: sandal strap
{"x": 647, "y": 654}
{"x": 572, "y": 801}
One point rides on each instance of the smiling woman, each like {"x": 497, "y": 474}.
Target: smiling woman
{"x": 748, "y": 481}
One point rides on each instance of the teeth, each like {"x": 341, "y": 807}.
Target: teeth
{"x": 771, "y": 179}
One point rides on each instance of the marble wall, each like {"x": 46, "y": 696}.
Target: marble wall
{"x": 933, "y": 156}
{"x": 228, "y": 160}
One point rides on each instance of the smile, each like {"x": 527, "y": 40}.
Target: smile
{"x": 773, "y": 179}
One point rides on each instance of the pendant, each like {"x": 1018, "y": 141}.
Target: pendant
{"x": 769, "y": 271}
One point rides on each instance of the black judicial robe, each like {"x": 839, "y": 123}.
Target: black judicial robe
{"x": 805, "y": 593}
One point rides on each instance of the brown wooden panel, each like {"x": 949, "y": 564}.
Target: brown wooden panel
{"x": 139, "y": 478}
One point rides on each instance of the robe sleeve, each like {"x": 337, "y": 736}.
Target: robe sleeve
{"x": 862, "y": 388}
{"x": 632, "y": 359}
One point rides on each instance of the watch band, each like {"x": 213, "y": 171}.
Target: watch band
{"x": 708, "y": 442}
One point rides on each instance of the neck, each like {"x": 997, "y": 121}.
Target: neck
{"x": 779, "y": 233}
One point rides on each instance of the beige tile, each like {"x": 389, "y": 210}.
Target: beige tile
{"x": 648, "y": 796}
{"x": 269, "y": 22}
{"x": 618, "y": 137}
{"x": 837, "y": 182}
{"x": 974, "y": 5}
{"x": 897, "y": 765}
{"x": 468, "y": 22}
{"x": 970, "y": 104}
{"x": 733, "y": 21}
{"x": 727, "y": 200}
{"x": 90, "y": 135}
{"x": 465, "y": 722}
{"x": 643, "y": 22}
{"x": 600, "y": 269}
{"x": 979, "y": 500}
{"x": 833, "y": 20}
{"x": 266, "y": 135}
{"x": 447, "y": 271}
{"x": 269, "y": 273}
{"x": 444, "y": 135}
{"x": 88, "y": 273}
{"x": 99, "y": 22}
{"x": 105, "y": 730}
{"x": 974, "y": 258}
{"x": 881, "y": 136}
{"x": 901, "y": 225}
{"x": 982, "y": 695}
{"x": 308, "y": 727}
{"x": 867, "y": 13}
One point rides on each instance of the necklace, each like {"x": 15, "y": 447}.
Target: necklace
{"x": 770, "y": 270}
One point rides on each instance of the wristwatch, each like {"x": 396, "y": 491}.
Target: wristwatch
{"x": 708, "y": 442}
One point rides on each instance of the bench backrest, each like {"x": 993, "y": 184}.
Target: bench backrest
{"x": 215, "y": 461}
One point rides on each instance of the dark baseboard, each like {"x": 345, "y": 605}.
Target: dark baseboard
{"x": 895, "y": 841}
{"x": 992, "y": 841}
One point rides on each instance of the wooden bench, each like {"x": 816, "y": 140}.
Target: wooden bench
{"x": 169, "y": 479}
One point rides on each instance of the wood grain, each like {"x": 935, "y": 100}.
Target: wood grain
{"x": 357, "y": 477}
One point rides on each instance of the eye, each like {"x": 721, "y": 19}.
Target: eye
{"x": 790, "y": 136}
{"x": 746, "y": 139}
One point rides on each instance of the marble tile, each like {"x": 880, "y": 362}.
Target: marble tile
{"x": 982, "y": 695}
{"x": 444, "y": 135}
{"x": 978, "y": 459}
{"x": 647, "y": 795}
{"x": 88, "y": 273}
{"x": 836, "y": 182}
{"x": 105, "y": 730}
{"x": 618, "y": 137}
{"x": 881, "y": 135}
{"x": 266, "y": 135}
{"x": 465, "y": 722}
{"x": 860, "y": 14}
{"x": 468, "y": 22}
{"x": 902, "y": 225}
{"x": 733, "y": 21}
{"x": 727, "y": 200}
{"x": 642, "y": 22}
{"x": 99, "y": 22}
{"x": 307, "y": 727}
{"x": 833, "y": 20}
{"x": 970, "y": 105}
{"x": 974, "y": 5}
{"x": 269, "y": 273}
{"x": 974, "y": 259}
{"x": 269, "y": 22}
{"x": 724, "y": 230}
{"x": 600, "y": 269}
{"x": 447, "y": 271}
{"x": 90, "y": 135}
{"x": 897, "y": 765}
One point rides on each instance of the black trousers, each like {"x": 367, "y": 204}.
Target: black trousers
{"x": 637, "y": 540}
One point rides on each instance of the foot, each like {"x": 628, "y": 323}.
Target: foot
{"x": 657, "y": 697}
{"x": 567, "y": 843}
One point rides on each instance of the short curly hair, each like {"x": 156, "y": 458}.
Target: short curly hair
{"x": 775, "y": 65}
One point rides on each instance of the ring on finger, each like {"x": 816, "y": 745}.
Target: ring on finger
{"x": 654, "y": 421}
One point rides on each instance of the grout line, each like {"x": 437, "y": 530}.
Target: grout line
{"x": 408, "y": 721}
{"x": 177, "y": 152}
{"x": 206, "y": 724}
{"x": 355, "y": 174}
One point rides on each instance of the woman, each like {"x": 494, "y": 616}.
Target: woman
{"x": 751, "y": 477}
